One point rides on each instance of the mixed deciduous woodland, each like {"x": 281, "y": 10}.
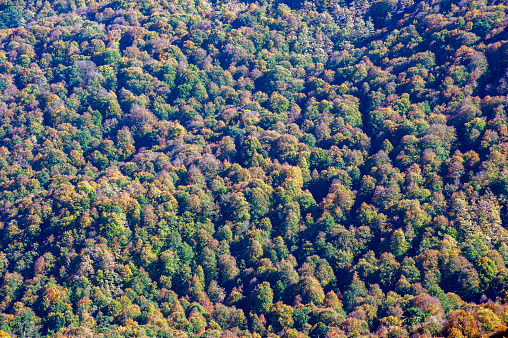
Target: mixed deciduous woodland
{"x": 253, "y": 169}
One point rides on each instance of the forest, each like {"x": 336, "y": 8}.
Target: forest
{"x": 253, "y": 169}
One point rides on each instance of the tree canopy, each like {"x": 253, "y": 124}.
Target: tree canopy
{"x": 198, "y": 168}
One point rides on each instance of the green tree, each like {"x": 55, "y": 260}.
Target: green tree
{"x": 262, "y": 297}
{"x": 356, "y": 289}
{"x": 399, "y": 245}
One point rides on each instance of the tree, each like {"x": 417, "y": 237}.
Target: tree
{"x": 399, "y": 245}
{"x": 262, "y": 298}
{"x": 208, "y": 261}
{"x": 356, "y": 289}
{"x": 237, "y": 207}
{"x": 310, "y": 290}
{"x": 228, "y": 269}
{"x": 259, "y": 201}
{"x": 277, "y": 79}
{"x": 283, "y": 316}
{"x": 169, "y": 262}
{"x": 215, "y": 292}
{"x": 287, "y": 276}
{"x": 461, "y": 323}
{"x": 348, "y": 108}
{"x": 339, "y": 202}
{"x": 320, "y": 269}
{"x": 290, "y": 219}
{"x": 286, "y": 148}
{"x": 254, "y": 251}
{"x": 278, "y": 103}
{"x": 388, "y": 269}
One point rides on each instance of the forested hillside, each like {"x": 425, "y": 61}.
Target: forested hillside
{"x": 221, "y": 169}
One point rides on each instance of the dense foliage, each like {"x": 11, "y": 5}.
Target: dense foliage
{"x": 333, "y": 168}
